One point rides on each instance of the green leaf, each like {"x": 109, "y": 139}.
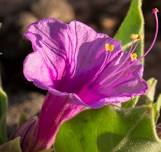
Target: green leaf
{"x": 131, "y": 103}
{"x": 132, "y": 24}
{"x": 110, "y": 130}
{"x": 157, "y": 106}
{"x": 148, "y": 98}
{"x": 151, "y": 89}
{"x": 3, "y": 112}
{"x": 11, "y": 146}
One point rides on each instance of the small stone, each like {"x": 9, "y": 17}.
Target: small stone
{"x": 108, "y": 24}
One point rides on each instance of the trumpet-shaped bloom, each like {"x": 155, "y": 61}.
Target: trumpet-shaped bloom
{"x": 72, "y": 58}
{"x": 80, "y": 68}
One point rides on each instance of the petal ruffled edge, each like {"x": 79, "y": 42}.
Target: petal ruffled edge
{"x": 36, "y": 71}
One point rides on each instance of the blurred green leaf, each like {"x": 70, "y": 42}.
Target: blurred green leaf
{"x": 151, "y": 89}
{"x": 11, "y": 146}
{"x": 110, "y": 130}
{"x": 3, "y": 112}
{"x": 132, "y": 24}
{"x": 157, "y": 106}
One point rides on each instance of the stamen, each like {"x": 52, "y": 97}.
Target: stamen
{"x": 133, "y": 47}
{"x": 109, "y": 47}
{"x": 155, "y": 11}
{"x": 133, "y": 56}
{"x": 136, "y": 37}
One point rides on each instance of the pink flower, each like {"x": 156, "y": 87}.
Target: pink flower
{"x": 79, "y": 68}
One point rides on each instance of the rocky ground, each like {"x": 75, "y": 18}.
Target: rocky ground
{"x": 103, "y": 15}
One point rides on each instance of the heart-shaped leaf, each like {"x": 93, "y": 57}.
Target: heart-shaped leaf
{"x": 110, "y": 130}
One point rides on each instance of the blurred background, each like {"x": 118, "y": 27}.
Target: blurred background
{"x": 103, "y": 15}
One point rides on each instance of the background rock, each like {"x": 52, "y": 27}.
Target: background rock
{"x": 59, "y": 9}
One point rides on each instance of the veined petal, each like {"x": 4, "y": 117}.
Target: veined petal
{"x": 72, "y": 58}
{"x": 36, "y": 69}
{"x": 68, "y": 52}
{"x": 90, "y": 59}
{"x": 118, "y": 82}
{"x": 47, "y": 63}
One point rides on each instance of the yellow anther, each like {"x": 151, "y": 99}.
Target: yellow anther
{"x": 109, "y": 47}
{"x": 141, "y": 37}
{"x": 136, "y": 37}
{"x": 133, "y": 56}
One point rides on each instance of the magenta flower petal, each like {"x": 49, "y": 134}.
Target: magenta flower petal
{"x": 69, "y": 54}
{"x": 122, "y": 83}
{"x": 38, "y": 71}
{"x": 57, "y": 108}
{"x": 73, "y": 63}
{"x": 49, "y": 53}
